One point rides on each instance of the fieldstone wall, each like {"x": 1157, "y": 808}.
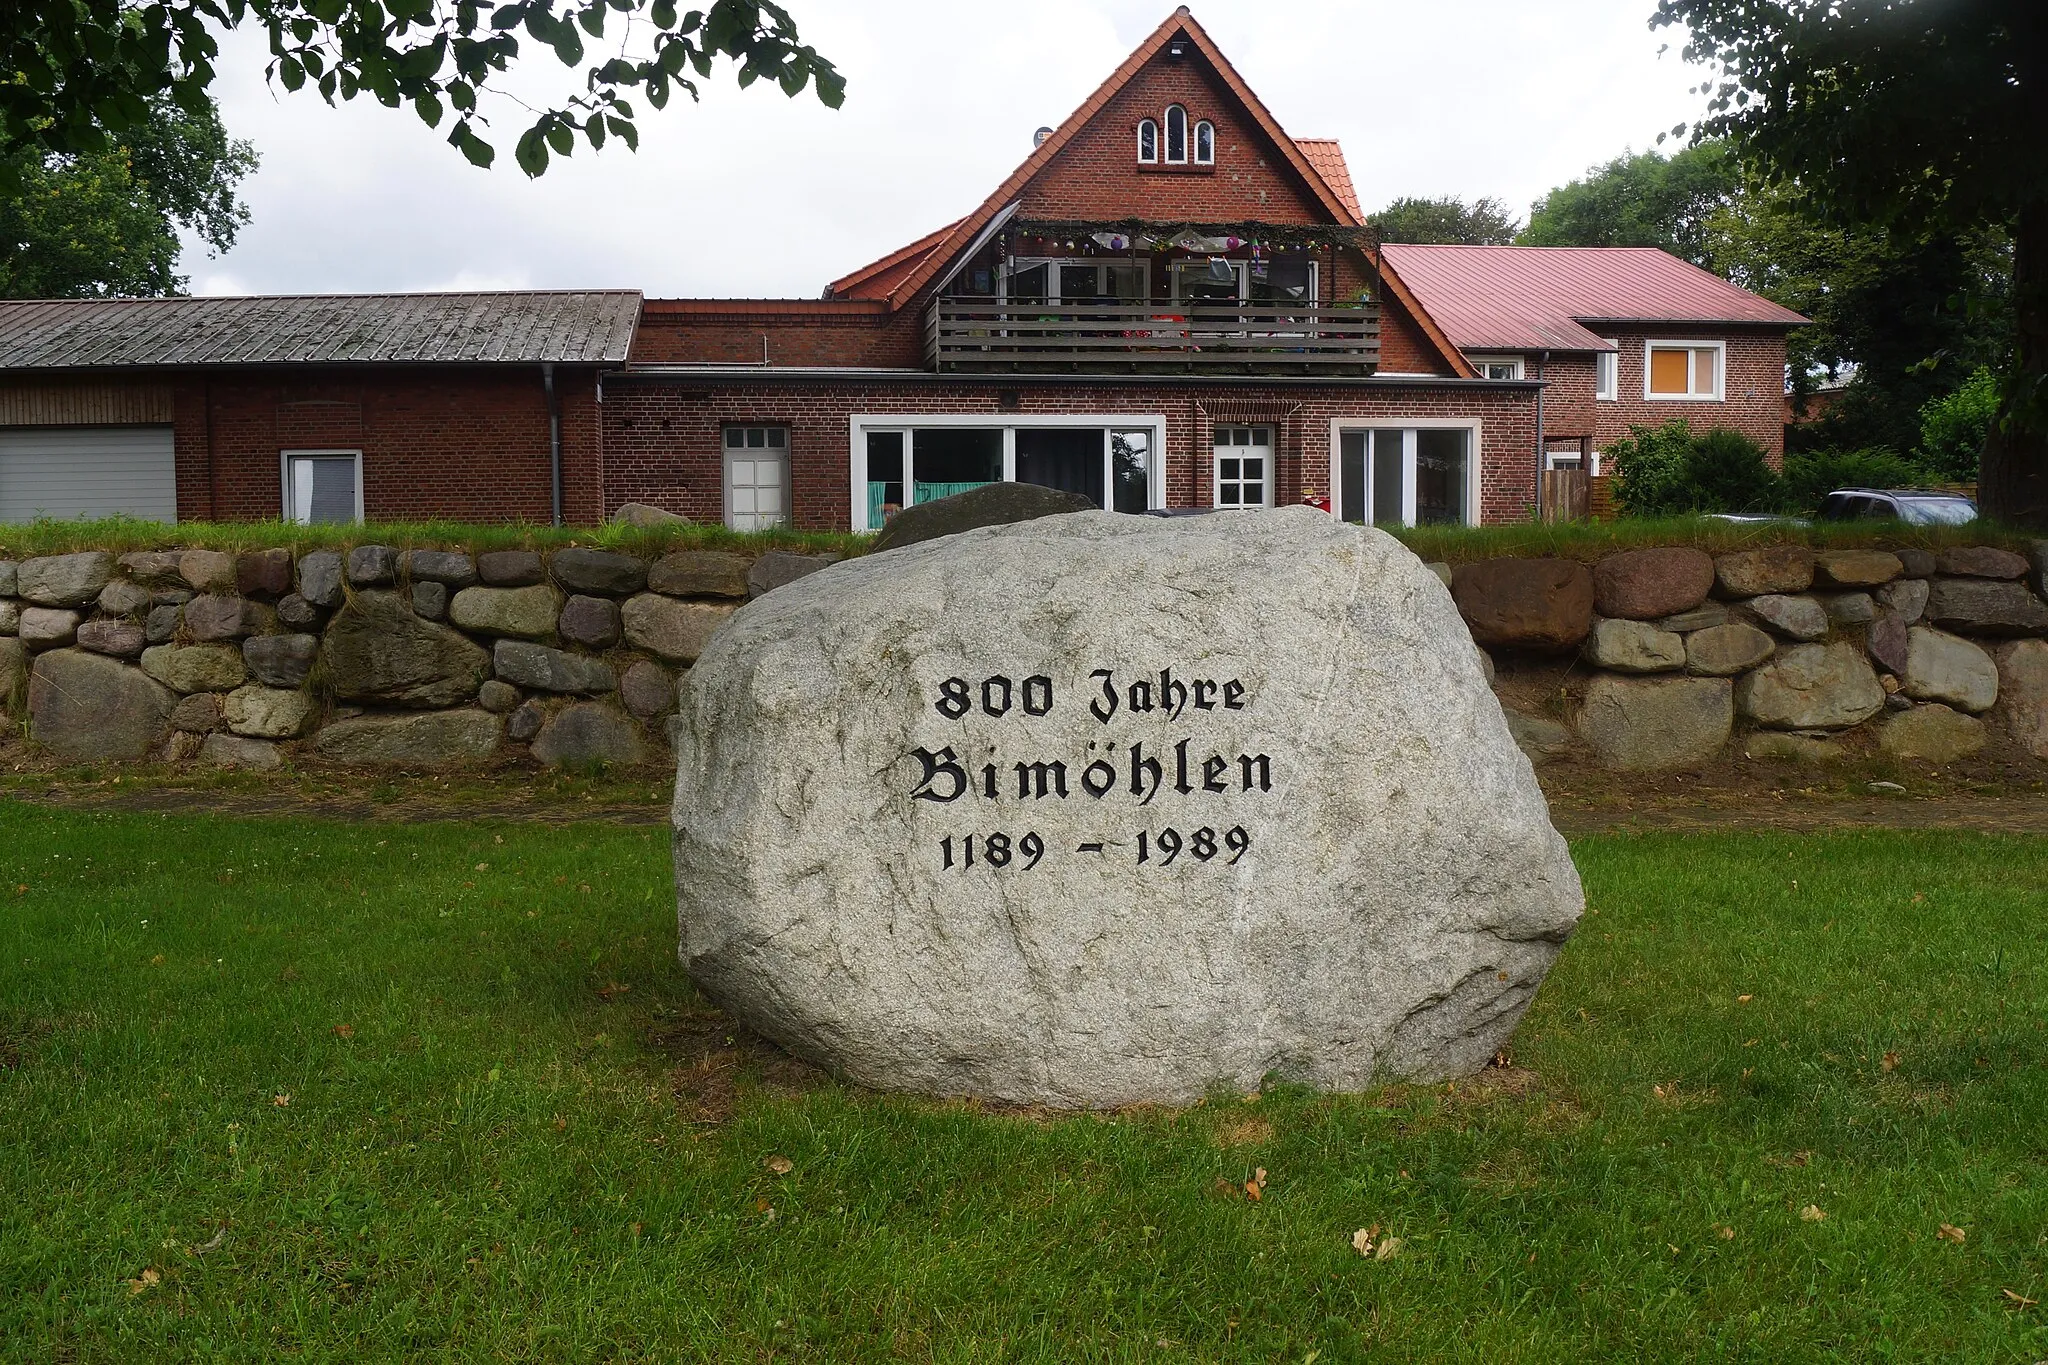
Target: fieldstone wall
{"x": 1646, "y": 660}
{"x": 374, "y": 655}
{"x": 1789, "y": 652}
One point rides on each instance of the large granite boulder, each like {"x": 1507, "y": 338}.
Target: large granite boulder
{"x": 64, "y": 580}
{"x": 1645, "y": 584}
{"x": 1811, "y": 687}
{"x": 1986, "y": 606}
{"x": 672, "y": 630}
{"x": 1264, "y": 817}
{"x": 1646, "y": 724}
{"x": 1947, "y": 668}
{"x": 992, "y": 504}
{"x": 377, "y": 651}
{"x": 1538, "y": 604}
{"x": 2022, "y": 687}
{"x": 424, "y": 739}
{"x": 89, "y": 708}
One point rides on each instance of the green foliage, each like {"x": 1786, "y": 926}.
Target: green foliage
{"x": 1669, "y": 471}
{"x": 347, "y": 1094}
{"x": 106, "y": 222}
{"x": 1953, "y": 428}
{"x": 1810, "y": 476}
{"x": 1447, "y": 221}
{"x": 1639, "y": 199}
{"x": 87, "y": 73}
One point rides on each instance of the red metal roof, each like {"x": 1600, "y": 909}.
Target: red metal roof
{"x": 1327, "y": 156}
{"x": 1531, "y": 298}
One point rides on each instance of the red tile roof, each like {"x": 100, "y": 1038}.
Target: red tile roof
{"x": 879, "y": 280}
{"x": 1527, "y": 298}
{"x": 1327, "y": 156}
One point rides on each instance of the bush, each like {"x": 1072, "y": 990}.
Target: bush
{"x": 1668, "y": 471}
{"x": 1812, "y": 476}
{"x": 1953, "y": 429}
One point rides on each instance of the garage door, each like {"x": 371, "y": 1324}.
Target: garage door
{"x": 67, "y": 472}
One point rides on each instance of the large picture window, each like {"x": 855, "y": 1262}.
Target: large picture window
{"x": 900, "y": 462}
{"x": 1407, "y": 475}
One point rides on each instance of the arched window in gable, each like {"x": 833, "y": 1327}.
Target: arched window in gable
{"x": 1205, "y": 143}
{"x": 1148, "y": 142}
{"x": 1176, "y": 135}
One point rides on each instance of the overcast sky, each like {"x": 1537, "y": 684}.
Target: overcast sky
{"x": 749, "y": 194}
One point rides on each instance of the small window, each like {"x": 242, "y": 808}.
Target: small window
{"x": 1688, "y": 370}
{"x": 756, "y": 478}
{"x": 1148, "y": 142}
{"x": 1607, "y": 374}
{"x": 1498, "y": 366}
{"x": 1205, "y": 143}
{"x": 1176, "y": 135}
{"x": 323, "y": 487}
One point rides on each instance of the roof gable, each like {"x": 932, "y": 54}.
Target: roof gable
{"x": 1077, "y": 127}
{"x": 1530, "y": 298}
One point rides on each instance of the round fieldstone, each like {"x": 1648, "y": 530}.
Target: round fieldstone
{"x": 525, "y": 613}
{"x": 117, "y": 639}
{"x": 240, "y": 751}
{"x": 1931, "y": 734}
{"x": 13, "y": 669}
{"x": 1849, "y": 608}
{"x": 523, "y": 724}
{"x": 510, "y": 568}
{"x": 1947, "y": 668}
{"x": 1772, "y": 569}
{"x": 372, "y": 566}
{"x": 1795, "y": 618}
{"x": 1886, "y": 641}
{"x": 426, "y": 739}
{"x": 195, "y": 668}
{"x": 1724, "y": 651}
{"x": 123, "y": 598}
{"x": 320, "y": 579}
{"x": 1649, "y": 724}
{"x": 46, "y": 627}
{"x": 1634, "y": 647}
{"x": 540, "y": 668}
{"x": 1857, "y": 568}
{"x": 599, "y": 572}
{"x": 73, "y": 580}
{"x": 1983, "y": 606}
{"x": 264, "y": 573}
{"x": 648, "y": 690}
{"x": 430, "y": 601}
{"x": 589, "y": 735}
{"x": 778, "y": 567}
{"x": 671, "y": 630}
{"x": 210, "y": 618}
{"x": 281, "y": 660}
{"x": 497, "y": 697}
{"x": 161, "y": 625}
{"x": 1704, "y": 617}
{"x": 1534, "y": 604}
{"x": 699, "y": 573}
{"x": 296, "y": 613}
{"x": 1542, "y": 740}
{"x": 450, "y": 568}
{"x": 376, "y": 650}
{"x": 1981, "y": 561}
{"x": 9, "y": 577}
{"x": 208, "y": 571}
{"x": 156, "y": 568}
{"x": 89, "y": 708}
{"x": 10, "y": 617}
{"x": 1811, "y": 687}
{"x": 1363, "y": 881}
{"x": 268, "y": 712}
{"x": 2023, "y": 693}
{"x": 197, "y": 714}
{"x": 992, "y": 504}
{"x": 1776, "y": 744}
{"x": 1906, "y": 596}
{"x": 1917, "y": 563}
{"x": 1642, "y": 585}
{"x": 592, "y": 622}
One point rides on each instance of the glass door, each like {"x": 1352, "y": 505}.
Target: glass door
{"x": 1244, "y": 466}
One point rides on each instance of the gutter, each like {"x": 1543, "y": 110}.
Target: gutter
{"x": 547, "y": 384}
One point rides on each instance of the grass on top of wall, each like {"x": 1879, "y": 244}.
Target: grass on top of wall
{"x": 1455, "y": 544}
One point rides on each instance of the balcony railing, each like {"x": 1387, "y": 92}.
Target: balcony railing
{"x": 983, "y": 335}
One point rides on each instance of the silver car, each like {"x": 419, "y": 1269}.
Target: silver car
{"x": 1914, "y": 506}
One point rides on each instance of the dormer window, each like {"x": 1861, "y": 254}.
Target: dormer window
{"x": 1205, "y": 143}
{"x": 1176, "y": 135}
{"x": 1148, "y": 142}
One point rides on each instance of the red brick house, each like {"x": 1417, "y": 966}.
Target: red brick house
{"x": 1171, "y": 303}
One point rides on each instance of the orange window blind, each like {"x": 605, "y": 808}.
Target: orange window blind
{"x": 1669, "y": 372}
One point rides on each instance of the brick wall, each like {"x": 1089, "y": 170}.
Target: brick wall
{"x": 463, "y": 443}
{"x": 662, "y": 436}
{"x": 719, "y": 332}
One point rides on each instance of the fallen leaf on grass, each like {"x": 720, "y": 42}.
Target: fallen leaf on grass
{"x": 1727, "y": 1234}
{"x": 1362, "y": 1240}
{"x": 613, "y": 991}
{"x": 1890, "y": 1061}
{"x": 1387, "y": 1249}
{"x": 157, "y": 961}
{"x": 1744, "y": 999}
{"x": 2019, "y": 1299}
{"x": 148, "y": 1279}
{"x": 781, "y": 1165}
{"x": 212, "y": 1243}
{"x": 281, "y": 1100}
{"x": 561, "y": 1124}
{"x": 1949, "y": 1232}
{"x": 343, "y": 1031}
{"x": 1812, "y": 1214}
{"x": 1255, "y": 1188}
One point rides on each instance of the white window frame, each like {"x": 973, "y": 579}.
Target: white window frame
{"x": 1217, "y": 456}
{"x": 1720, "y": 349}
{"x": 1166, "y": 135}
{"x": 1607, "y": 373}
{"x": 1408, "y": 426}
{"x": 1481, "y": 360}
{"x": 1551, "y": 459}
{"x": 862, "y": 423}
{"x": 1152, "y": 126}
{"x": 726, "y": 451}
{"x": 1052, "y": 274}
{"x": 284, "y": 479}
{"x": 1204, "y": 132}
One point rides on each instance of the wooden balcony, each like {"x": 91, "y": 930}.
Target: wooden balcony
{"x": 981, "y": 335}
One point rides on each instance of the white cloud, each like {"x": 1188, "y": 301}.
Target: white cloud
{"x": 750, "y": 194}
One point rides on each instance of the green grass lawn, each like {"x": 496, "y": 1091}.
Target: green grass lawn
{"x": 319, "y": 1091}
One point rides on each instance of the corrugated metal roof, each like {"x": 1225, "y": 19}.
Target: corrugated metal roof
{"x": 1326, "y": 154}
{"x": 529, "y": 326}
{"x": 1522, "y": 298}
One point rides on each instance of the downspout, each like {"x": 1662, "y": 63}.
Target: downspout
{"x": 547, "y": 383}
{"x": 1542, "y": 367}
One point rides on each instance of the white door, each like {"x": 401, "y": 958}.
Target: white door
{"x": 67, "y": 472}
{"x": 756, "y": 478}
{"x": 1244, "y": 466}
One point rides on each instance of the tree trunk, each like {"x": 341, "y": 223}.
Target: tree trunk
{"x": 2013, "y": 487}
